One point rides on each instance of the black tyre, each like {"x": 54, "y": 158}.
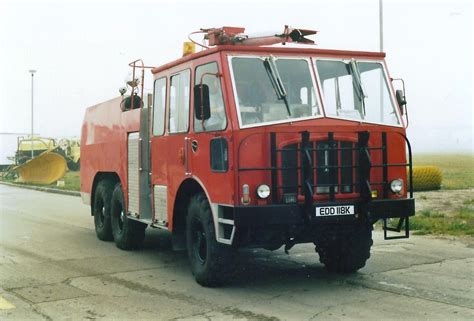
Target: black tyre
{"x": 101, "y": 210}
{"x": 211, "y": 262}
{"x": 128, "y": 234}
{"x": 345, "y": 249}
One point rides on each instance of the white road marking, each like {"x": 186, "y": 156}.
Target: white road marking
{"x": 399, "y": 286}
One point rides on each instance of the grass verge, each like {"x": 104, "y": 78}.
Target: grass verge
{"x": 457, "y": 169}
{"x": 71, "y": 182}
{"x": 459, "y": 222}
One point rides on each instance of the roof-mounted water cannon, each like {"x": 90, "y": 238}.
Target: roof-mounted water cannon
{"x": 236, "y": 36}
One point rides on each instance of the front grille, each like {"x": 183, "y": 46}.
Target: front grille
{"x": 317, "y": 167}
{"x": 333, "y": 164}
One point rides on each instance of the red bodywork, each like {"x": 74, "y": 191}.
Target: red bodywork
{"x": 105, "y": 128}
{"x": 104, "y": 135}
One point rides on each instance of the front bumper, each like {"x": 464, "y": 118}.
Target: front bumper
{"x": 296, "y": 214}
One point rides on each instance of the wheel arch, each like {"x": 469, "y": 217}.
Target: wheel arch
{"x": 188, "y": 188}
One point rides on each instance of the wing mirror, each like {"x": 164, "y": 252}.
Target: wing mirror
{"x": 400, "y": 95}
{"x": 401, "y": 99}
{"x": 202, "y": 106}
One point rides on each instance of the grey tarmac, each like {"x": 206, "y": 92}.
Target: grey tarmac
{"x": 52, "y": 267}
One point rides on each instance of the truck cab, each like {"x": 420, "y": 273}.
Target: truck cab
{"x": 243, "y": 145}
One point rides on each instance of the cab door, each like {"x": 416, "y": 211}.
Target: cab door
{"x": 210, "y": 144}
{"x": 170, "y": 141}
{"x": 211, "y": 147}
{"x": 158, "y": 152}
{"x": 178, "y": 140}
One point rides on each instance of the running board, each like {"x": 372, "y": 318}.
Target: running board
{"x": 403, "y": 223}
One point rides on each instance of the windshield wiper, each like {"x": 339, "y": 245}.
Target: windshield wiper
{"x": 358, "y": 83}
{"x": 277, "y": 83}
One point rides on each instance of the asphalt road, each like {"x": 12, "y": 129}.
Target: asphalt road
{"x": 52, "y": 267}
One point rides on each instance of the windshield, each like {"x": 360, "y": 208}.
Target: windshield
{"x": 357, "y": 91}
{"x": 270, "y": 89}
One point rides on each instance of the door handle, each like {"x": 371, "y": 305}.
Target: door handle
{"x": 194, "y": 146}
{"x": 187, "y": 171}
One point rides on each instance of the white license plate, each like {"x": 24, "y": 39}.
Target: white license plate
{"x": 335, "y": 210}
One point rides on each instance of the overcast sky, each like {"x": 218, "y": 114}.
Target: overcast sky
{"x": 81, "y": 50}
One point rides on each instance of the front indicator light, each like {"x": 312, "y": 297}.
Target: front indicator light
{"x": 396, "y": 186}
{"x": 245, "y": 194}
{"x": 374, "y": 193}
{"x": 263, "y": 191}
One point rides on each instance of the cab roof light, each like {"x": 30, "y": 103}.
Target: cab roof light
{"x": 188, "y": 48}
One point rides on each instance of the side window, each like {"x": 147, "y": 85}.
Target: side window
{"x": 218, "y": 120}
{"x": 159, "y": 102}
{"x": 179, "y": 102}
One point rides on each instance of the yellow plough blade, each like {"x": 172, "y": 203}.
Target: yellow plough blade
{"x": 45, "y": 169}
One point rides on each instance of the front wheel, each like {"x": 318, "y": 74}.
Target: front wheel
{"x": 345, "y": 249}
{"x": 211, "y": 262}
{"x": 128, "y": 234}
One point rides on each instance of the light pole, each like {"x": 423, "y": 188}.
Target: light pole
{"x": 32, "y": 72}
{"x": 381, "y": 50}
{"x": 381, "y": 25}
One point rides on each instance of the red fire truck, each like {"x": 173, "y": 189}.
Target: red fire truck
{"x": 244, "y": 144}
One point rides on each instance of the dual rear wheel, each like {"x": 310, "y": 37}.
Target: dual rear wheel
{"x": 110, "y": 219}
{"x": 101, "y": 210}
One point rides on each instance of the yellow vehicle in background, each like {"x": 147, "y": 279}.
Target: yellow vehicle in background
{"x": 71, "y": 150}
{"x": 39, "y": 145}
{"x": 68, "y": 148}
{"x": 42, "y": 160}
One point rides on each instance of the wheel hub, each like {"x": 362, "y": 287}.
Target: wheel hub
{"x": 101, "y": 215}
{"x": 200, "y": 244}
{"x": 121, "y": 219}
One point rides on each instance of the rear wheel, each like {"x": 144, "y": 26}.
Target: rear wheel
{"x": 128, "y": 234}
{"x": 345, "y": 250}
{"x": 211, "y": 262}
{"x": 101, "y": 210}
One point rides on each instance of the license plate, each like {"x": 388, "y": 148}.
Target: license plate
{"x": 335, "y": 210}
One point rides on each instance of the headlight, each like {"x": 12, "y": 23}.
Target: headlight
{"x": 263, "y": 191}
{"x": 396, "y": 186}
